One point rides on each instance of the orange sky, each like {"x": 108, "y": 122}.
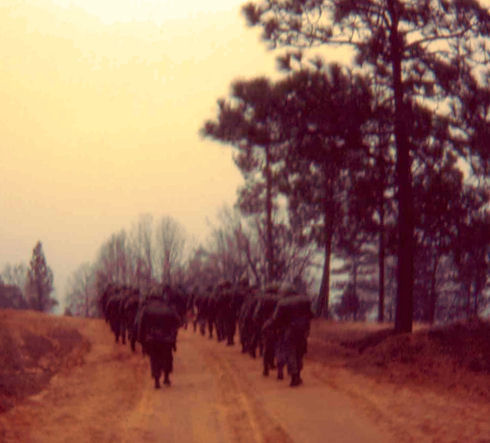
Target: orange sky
{"x": 101, "y": 102}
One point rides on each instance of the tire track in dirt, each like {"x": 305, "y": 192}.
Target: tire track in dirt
{"x": 313, "y": 412}
{"x": 369, "y": 406}
{"x": 249, "y": 420}
{"x": 208, "y": 401}
{"x": 191, "y": 410}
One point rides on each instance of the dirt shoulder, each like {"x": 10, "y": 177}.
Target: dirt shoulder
{"x": 431, "y": 385}
{"x": 97, "y": 384}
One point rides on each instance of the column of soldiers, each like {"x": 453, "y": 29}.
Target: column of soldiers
{"x": 274, "y": 323}
{"x": 153, "y": 321}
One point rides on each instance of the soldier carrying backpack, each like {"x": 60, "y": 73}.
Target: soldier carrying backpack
{"x": 157, "y": 331}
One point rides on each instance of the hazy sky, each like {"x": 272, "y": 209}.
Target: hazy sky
{"x": 100, "y": 106}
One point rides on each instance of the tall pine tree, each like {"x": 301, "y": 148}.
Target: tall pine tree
{"x": 40, "y": 281}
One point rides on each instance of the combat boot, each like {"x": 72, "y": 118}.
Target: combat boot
{"x": 266, "y": 370}
{"x": 295, "y": 380}
{"x": 280, "y": 374}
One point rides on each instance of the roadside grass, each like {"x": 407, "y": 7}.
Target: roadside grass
{"x": 33, "y": 348}
{"x": 451, "y": 357}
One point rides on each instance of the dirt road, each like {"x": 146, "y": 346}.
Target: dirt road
{"x": 217, "y": 395}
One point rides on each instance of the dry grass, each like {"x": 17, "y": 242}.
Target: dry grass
{"x": 454, "y": 357}
{"x": 34, "y": 347}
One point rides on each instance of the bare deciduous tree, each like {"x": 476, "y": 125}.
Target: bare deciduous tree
{"x": 114, "y": 261}
{"x": 15, "y": 275}
{"x": 170, "y": 242}
{"x": 142, "y": 253}
{"x": 82, "y": 295}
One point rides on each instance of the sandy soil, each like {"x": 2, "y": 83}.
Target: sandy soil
{"x": 220, "y": 395}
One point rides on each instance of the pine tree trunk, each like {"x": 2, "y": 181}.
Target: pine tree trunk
{"x": 381, "y": 243}
{"x": 324, "y": 293}
{"x": 354, "y": 274}
{"x": 268, "y": 203}
{"x": 381, "y": 274}
{"x": 405, "y": 271}
{"x": 433, "y": 294}
{"x": 475, "y": 301}
{"x": 468, "y": 301}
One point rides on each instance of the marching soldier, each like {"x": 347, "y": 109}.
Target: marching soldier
{"x": 291, "y": 319}
{"x": 157, "y": 331}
